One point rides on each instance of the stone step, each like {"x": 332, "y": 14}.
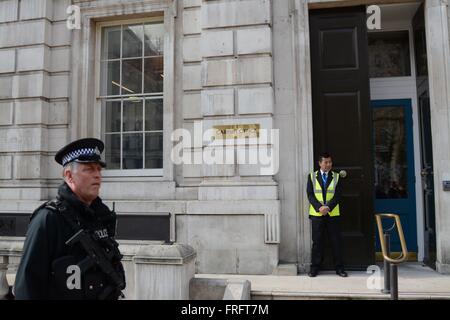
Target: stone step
{"x": 280, "y": 295}
{"x": 415, "y": 281}
{"x": 285, "y": 269}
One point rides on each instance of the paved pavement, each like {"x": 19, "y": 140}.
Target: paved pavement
{"x": 415, "y": 282}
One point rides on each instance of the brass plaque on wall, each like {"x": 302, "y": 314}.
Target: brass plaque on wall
{"x": 237, "y": 131}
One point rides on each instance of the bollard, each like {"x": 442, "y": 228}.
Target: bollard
{"x": 393, "y": 262}
{"x": 394, "y": 282}
{"x": 387, "y": 269}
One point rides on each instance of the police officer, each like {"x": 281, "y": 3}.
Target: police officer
{"x": 69, "y": 250}
{"x": 324, "y": 194}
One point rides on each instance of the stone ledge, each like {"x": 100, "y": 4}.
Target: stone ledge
{"x": 443, "y": 268}
{"x": 196, "y": 207}
{"x": 237, "y": 193}
{"x": 289, "y": 269}
{"x": 174, "y": 254}
{"x": 129, "y": 248}
{"x": 233, "y": 207}
{"x": 219, "y": 289}
{"x": 237, "y": 290}
{"x": 13, "y": 246}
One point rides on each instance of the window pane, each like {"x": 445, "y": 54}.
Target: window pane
{"x": 132, "y": 151}
{"x": 153, "y": 114}
{"x": 132, "y": 41}
{"x": 132, "y": 115}
{"x": 131, "y": 76}
{"x": 153, "y": 75}
{"x": 153, "y": 150}
{"x": 110, "y": 79}
{"x": 126, "y": 143}
{"x": 112, "y": 122}
{"x": 389, "y": 54}
{"x": 153, "y": 39}
{"x": 390, "y": 153}
{"x": 112, "y": 151}
{"x": 111, "y": 43}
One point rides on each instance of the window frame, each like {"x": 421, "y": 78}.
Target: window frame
{"x": 411, "y": 55}
{"x": 166, "y": 95}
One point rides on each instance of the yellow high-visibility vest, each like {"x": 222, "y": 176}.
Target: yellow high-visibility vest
{"x": 329, "y": 194}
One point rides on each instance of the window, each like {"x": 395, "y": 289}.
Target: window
{"x": 131, "y": 94}
{"x": 389, "y": 54}
{"x": 391, "y": 164}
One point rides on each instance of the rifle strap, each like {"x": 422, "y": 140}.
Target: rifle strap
{"x": 74, "y": 222}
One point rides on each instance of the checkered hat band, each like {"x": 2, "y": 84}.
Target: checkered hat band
{"x": 79, "y": 153}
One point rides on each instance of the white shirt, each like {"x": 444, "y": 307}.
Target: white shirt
{"x": 323, "y": 172}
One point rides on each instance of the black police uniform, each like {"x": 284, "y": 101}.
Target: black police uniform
{"x": 46, "y": 267}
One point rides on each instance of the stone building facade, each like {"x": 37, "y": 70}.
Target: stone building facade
{"x": 221, "y": 62}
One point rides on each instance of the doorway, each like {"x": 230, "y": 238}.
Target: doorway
{"x": 348, "y": 118}
{"x": 342, "y": 122}
{"x": 394, "y": 168}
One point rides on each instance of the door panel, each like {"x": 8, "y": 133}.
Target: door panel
{"x": 342, "y": 122}
{"x": 335, "y": 44}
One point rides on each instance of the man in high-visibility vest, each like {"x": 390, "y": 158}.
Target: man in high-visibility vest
{"x": 324, "y": 195}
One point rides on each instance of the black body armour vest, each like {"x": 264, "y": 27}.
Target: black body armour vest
{"x": 91, "y": 269}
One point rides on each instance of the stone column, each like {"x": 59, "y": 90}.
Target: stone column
{"x": 163, "y": 272}
{"x": 438, "y": 55}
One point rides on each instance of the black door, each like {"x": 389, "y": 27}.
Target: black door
{"x": 423, "y": 99}
{"x": 342, "y": 120}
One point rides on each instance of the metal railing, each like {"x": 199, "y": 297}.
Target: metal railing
{"x": 391, "y": 264}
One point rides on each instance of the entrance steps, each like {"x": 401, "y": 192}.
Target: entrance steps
{"x": 279, "y": 295}
{"x": 416, "y": 281}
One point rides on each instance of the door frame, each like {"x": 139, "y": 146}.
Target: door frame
{"x": 436, "y": 19}
{"x": 407, "y": 103}
{"x": 395, "y": 95}
{"x": 405, "y": 88}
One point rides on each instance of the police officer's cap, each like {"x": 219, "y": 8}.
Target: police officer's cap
{"x": 86, "y": 150}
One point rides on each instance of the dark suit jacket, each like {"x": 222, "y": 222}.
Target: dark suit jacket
{"x": 312, "y": 198}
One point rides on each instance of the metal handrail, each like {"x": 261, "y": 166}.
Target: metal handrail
{"x": 404, "y": 255}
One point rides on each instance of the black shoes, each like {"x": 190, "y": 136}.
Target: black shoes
{"x": 313, "y": 273}
{"x": 341, "y": 273}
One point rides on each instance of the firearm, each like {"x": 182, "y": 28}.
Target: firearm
{"x": 96, "y": 255}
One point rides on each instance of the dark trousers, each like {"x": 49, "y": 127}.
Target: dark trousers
{"x": 330, "y": 225}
